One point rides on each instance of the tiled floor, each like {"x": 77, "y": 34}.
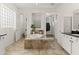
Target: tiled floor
{"x": 18, "y": 49}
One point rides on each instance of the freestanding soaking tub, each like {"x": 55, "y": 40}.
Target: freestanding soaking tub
{"x": 36, "y": 36}
{"x": 36, "y": 41}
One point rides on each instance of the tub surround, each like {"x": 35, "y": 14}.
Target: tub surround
{"x": 35, "y": 36}
{"x": 36, "y": 41}
{"x": 37, "y": 32}
{"x": 36, "y": 44}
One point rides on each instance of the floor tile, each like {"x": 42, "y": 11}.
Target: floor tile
{"x": 17, "y": 48}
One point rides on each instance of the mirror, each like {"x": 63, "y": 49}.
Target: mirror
{"x": 36, "y": 20}
{"x": 67, "y": 24}
{"x": 75, "y": 22}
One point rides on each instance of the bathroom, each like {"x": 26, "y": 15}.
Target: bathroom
{"x": 40, "y": 28}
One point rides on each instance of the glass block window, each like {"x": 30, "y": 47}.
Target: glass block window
{"x": 7, "y": 17}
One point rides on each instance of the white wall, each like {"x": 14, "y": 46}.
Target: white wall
{"x": 43, "y": 23}
{"x": 29, "y": 17}
{"x": 19, "y": 25}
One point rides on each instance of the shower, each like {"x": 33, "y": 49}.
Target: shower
{"x": 50, "y": 25}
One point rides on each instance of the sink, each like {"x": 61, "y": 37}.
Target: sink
{"x": 75, "y": 32}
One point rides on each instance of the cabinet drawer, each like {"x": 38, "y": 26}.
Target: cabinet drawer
{"x": 75, "y": 39}
{"x": 75, "y": 46}
{"x": 3, "y": 41}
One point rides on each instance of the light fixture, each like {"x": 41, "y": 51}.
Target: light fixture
{"x": 47, "y": 14}
{"x": 36, "y": 4}
{"x": 52, "y": 3}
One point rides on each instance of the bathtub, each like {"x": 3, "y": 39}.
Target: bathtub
{"x": 36, "y": 36}
{"x": 36, "y": 41}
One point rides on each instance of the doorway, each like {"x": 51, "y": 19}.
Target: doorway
{"x": 50, "y": 26}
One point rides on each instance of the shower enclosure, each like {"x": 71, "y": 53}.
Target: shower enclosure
{"x": 50, "y": 25}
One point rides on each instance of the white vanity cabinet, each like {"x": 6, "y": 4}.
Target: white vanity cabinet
{"x": 62, "y": 40}
{"x": 70, "y": 43}
{"x": 3, "y": 43}
{"x": 1, "y": 47}
{"x": 75, "y": 46}
{"x": 59, "y": 38}
{"x": 67, "y": 43}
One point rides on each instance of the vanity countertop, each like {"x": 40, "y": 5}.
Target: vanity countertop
{"x": 2, "y": 35}
{"x": 35, "y": 37}
{"x": 74, "y": 35}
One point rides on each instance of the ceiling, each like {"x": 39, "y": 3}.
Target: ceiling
{"x": 35, "y": 5}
